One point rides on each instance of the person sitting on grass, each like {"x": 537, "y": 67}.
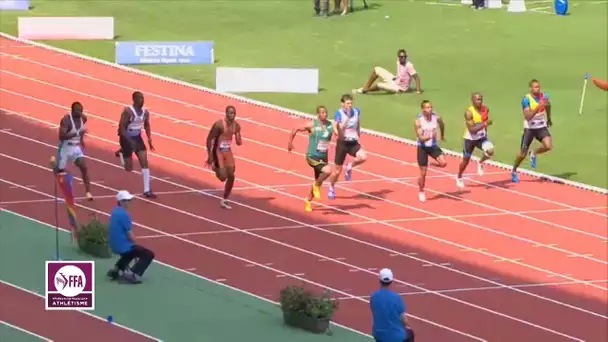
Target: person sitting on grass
{"x": 122, "y": 242}
{"x": 390, "y": 83}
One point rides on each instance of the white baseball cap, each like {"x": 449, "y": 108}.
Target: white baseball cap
{"x": 385, "y": 275}
{"x": 124, "y": 195}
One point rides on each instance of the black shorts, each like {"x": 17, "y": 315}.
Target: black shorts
{"x": 533, "y": 133}
{"x": 317, "y": 165}
{"x": 344, "y": 148}
{"x": 410, "y": 336}
{"x": 470, "y": 145}
{"x": 127, "y": 150}
{"x": 425, "y": 151}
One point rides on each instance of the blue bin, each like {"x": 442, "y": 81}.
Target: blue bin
{"x": 561, "y": 7}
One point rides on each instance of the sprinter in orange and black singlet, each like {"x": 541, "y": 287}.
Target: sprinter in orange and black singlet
{"x": 219, "y": 149}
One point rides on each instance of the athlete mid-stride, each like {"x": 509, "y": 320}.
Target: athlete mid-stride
{"x": 132, "y": 120}
{"x": 72, "y": 129}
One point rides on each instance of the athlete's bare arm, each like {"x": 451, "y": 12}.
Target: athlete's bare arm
{"x": 237, "y": 134}
{"x": 472, "y": 126}
{"x": 307, "y": 127}
{"x": 544, "y": 104}
{"x": 548, "y": 109}
{"x": 419, "y": 132}
{"x": 214, "y": 133}
{"x": 441, "y": 127}
{"x": 83, "y": 131}
{"x": 148, "y": 129}
{"x": 64, "y": 129}
{"x": 124, "y": 123}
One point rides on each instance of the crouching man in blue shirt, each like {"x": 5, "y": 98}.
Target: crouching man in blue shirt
{"x": 388, "y": 312}
{"x": 122, "y": 242}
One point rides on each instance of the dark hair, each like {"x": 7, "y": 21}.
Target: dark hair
{"x": 136, "y": 93}
{"x": 74, "y": 104}
{"x": 346, "y": 97}
{"x": 383, "y": 284}
{"x": 321, "y": 107}
{"x": 534, "y": 80}
{"x": 230, "y": 107}
{"x": 424, "y": 102}
{"x": 401, "y": 51}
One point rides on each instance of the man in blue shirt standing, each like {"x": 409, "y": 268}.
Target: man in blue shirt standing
{"x": 122, "y": 242}
{"x": 388, "y": 312}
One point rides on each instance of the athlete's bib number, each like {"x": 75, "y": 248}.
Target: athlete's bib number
{"x": 351, "y": 134}
{"x": 322, "y": 146}
{"x": 224, "y": 146}
{"x": 429, "y": 133}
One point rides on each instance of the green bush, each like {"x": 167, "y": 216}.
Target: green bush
{"x": 297, "y": 300}
{"x": 93, "y": 239}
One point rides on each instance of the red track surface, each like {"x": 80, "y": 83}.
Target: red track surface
{"x": 493, "y": 234}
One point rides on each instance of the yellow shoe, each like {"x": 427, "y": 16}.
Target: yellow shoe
{"x": 308, "y": 207}
{"x": 316, "y": 191}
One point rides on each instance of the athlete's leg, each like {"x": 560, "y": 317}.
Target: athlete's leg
{"x": 142, "y": 156}
{"x": 228, "y": 184}
{"x": 82, "y": 165}
{"x": 340, "y": 157}
{"x": 526, "y": 140}
{"x": 322, "y": 172}
{"x": 467, "y": 151}
{"x": 423, "y": 162}
{"x": 437, "y": 154}
{"x": 360, "y": 158}
{"x": 126, "y": 154}
{"x": 546, "y": 145}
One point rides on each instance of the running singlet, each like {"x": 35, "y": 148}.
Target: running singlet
{"x": 74, "y": 141}
{"x": 539, "y": 120}
{"x": 136, "y": 122}
{"x": 429, "y": 128}
{"x": 224, "y": 141}
{"x": 351, "y": 123}
{"x": 318, "y": 140}
{"x": 478, "y": 118}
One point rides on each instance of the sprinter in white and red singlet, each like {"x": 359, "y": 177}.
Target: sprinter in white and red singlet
{"x": 428, "y": 126}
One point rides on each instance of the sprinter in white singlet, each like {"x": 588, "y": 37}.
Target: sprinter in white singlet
{"x": 536, "y": 108}
{"x": 72, "y": 129}
{"x": 132, "y": 120}
{"x": 428, "y": 125}
{"x": 347, "y": 128}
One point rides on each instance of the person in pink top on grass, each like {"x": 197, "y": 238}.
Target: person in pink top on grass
{"x": 402, "y": 83}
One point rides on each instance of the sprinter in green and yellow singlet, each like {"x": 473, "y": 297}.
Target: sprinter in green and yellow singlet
{"x": 319, "y": 136}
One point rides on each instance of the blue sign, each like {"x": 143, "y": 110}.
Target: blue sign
{"x": 14, "y": 5}
{"x": 561, "y": 7}
{"x": 130, "y": 53}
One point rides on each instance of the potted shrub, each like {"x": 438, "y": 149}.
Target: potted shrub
{"x": 93, "y": 239}
{"x": 305, "y": 310}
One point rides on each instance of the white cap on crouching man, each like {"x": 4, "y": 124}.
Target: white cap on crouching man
{"x": 124, "y": 195}
{"x": 386, "y": 276}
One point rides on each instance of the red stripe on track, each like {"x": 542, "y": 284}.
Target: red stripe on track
{"x": 374, "y": 201}
{"x": 26, "y": 311}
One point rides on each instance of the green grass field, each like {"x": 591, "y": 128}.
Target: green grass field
{"x": 455, "y": 50}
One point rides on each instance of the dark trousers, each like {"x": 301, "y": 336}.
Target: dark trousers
{"x": 321, "y": 7}
{"x": 143, "y": 255}
{"x": 410, "y": 334}
{"x": 479, "y": 3}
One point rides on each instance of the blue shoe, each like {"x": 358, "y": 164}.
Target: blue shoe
{"x": 514, "y": 177}
{"x": 347, "y": 174}
{"x": 331, "y": 194}
{"x": 532, "y": 161}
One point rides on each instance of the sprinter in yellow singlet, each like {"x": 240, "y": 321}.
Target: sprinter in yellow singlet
{"x": 477, "y": 120}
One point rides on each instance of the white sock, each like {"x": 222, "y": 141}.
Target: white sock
{"x": 349, "y": 166}
{"x": 146, "y": 174}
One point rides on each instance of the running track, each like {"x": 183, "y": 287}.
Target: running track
{"x": 494, "y": 262}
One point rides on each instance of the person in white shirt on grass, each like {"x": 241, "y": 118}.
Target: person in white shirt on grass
{"x": 402, "y": 83}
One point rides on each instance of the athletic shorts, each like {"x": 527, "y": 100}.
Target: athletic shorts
{"x": 533, "y": 133}
{"x": 67, "y": 153}
{"x": 469, "y": 146}
{"x": 425, "y": 151}
{"x": 222, "y": 159}
{"x": 317, "y": 165}
{"x": 127, "y": 150}
{"x": 344, "y": 148}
